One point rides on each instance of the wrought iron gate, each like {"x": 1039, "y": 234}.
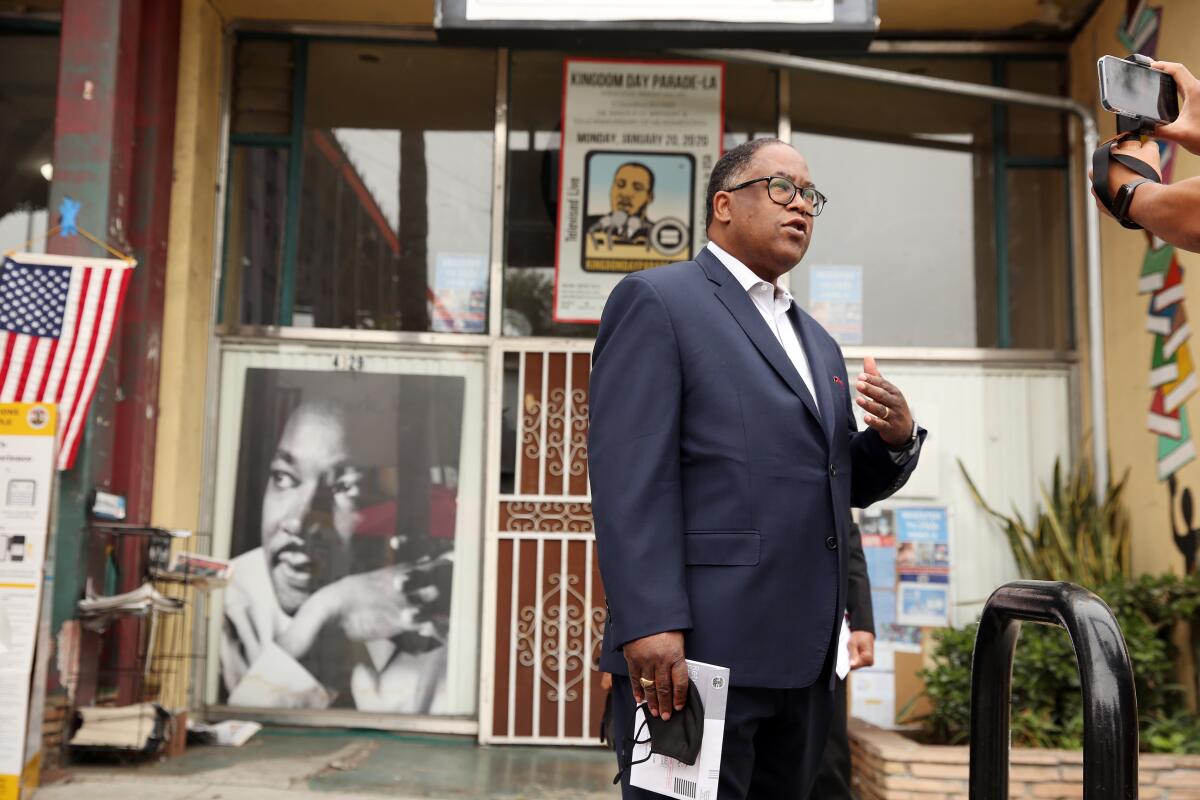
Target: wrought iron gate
{"x": 544, "y": 609}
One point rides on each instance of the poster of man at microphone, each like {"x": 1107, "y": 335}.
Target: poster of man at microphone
{"x": 639, "y": 210}
{"x": 343, "y": 537}
{"x": 639, "y": 141}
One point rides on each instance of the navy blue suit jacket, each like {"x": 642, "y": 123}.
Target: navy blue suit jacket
{"x": 721, "y": 498}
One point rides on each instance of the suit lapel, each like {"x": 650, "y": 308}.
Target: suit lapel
{"x": 821, "y": 372}
{"x": 738, "y": 302}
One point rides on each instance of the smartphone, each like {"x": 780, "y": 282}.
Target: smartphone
{"x": 1135, "y": 90}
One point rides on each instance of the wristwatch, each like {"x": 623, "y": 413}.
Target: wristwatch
{"x": 1124, "y": 200}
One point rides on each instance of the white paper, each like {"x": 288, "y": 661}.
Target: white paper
{"x": 873, "y": 697}
{"x": 843, "y": 652}
{"x": 669, "y": 777}
{"x": 27, "y": 459}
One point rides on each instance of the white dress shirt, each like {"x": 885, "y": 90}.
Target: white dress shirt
{"x": 772, "y": 303}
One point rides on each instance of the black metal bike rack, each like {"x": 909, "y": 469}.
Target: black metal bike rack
{"x": 1110, "y": 722}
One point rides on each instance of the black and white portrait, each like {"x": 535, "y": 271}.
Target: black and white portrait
{"x": 343, "y": 542}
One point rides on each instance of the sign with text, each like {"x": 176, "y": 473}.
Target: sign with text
{"x": 27, "y": 471}
{"x": 923, "y": 566}
{"x": 793, "y": 12}
{"x": 639, "y": 141}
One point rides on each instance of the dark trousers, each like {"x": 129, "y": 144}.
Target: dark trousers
{"x": 833, "y": 779}
{"x": 772, "y": 747}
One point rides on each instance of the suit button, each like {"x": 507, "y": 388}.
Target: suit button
{"x": 833, "y": 470}
{"x": 831, "y": 543}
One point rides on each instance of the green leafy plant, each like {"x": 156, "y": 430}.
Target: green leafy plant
{"x": 1078, "y": 537}
{"x": 1074, "y": 536}
{"x": 1047, "y": 706}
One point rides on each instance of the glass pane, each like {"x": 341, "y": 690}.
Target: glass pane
{"x": 534, "y": 140}
{"x": 395, "y": 211}
{"x": 27, "y": 98}
{"x": 255, "y": 223}
{"x": 262, "y": 97}
{"x": 751, "y": 109}
{"x": 879, "y": 247}
{"x": 839, "y": 106}
{"x": 1038, "y": 264}
{"x": 1033, "y": 132}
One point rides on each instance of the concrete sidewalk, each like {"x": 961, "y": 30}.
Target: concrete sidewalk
{"x": 280, "y": 763}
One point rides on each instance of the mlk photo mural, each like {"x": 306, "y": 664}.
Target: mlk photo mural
{"x": 343, "y": 542}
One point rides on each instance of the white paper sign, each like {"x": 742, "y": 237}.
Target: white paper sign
{"x": 793, "y": 12}
{"x": 669, "y": 777}
{"x": 639, "y": 141}
{"x": 27, "y": 471}
{"x": 873, "y": 697}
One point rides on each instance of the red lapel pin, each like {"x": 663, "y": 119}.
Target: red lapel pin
{"x": 837, "y": 380}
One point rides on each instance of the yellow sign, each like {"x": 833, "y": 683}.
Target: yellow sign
{"x": 28, "y": 419}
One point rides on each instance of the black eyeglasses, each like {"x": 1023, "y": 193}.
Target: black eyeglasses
{"x": 782, "y": 191}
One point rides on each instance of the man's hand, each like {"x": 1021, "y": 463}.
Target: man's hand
{"x": 1186, "y": 128}
{"x": 862, "y": 649}
{"x": 887, "y": 410}
{"x": 658, "y": 658}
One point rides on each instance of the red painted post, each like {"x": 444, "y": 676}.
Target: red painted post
{"x": 114, "y": 133}
{"x": 141, "y": 319}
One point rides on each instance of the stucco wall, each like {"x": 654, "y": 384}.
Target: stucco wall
{"x": 1129, "y": 346}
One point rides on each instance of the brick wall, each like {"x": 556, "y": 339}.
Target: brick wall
{"x": 888, "y": 766}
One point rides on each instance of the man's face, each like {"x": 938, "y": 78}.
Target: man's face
{"x": 631, "y": 190}
{"x": 310, "y": 507}
{"x": 771, "y": 236}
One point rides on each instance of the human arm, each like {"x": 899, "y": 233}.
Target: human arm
{"x": 634, "y": 467}
{"x": 1170, "y": 211}
{"x": 884, "y": 455}
{"x": 370, "y": 606}
{"x": 858, "y": 604}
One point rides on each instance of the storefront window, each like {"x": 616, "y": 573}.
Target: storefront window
{"x": 913, "y": 217}
{"x": 533, "y": 165}
{"x": 385, "y": 214}
{"x": 27, "y": 97}
{"x": 254, "y": 234}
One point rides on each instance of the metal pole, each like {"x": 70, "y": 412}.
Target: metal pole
{"x": 1110, "y": 721}
{"x": 1001, "y": 95}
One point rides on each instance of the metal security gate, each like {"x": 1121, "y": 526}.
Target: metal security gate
{"x": 544, "y": 609}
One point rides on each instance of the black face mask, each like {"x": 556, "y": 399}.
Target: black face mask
{"x": 678, "y": 738}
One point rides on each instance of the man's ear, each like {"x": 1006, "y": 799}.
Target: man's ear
{"x": 721, "y": 210}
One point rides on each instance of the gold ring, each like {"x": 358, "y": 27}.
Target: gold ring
{"x": 646, "y": 683}
{"x": 887, "y": 412}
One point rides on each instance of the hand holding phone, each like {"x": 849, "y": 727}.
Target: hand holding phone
{"x": 1185, "y": 130}
{"x": 1135, "y": 90}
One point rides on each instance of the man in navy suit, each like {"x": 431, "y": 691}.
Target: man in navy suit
{"x": 724, "y": 458}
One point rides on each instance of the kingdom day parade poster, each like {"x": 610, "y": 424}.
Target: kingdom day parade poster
{"x": 639, "y": 141}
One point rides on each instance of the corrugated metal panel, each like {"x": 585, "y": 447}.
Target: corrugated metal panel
{"x": 1007, "y": 425}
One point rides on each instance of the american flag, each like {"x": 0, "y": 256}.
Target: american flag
{"x": 57, "y": 315}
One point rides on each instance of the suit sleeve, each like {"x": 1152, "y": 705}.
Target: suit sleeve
{"x": 875, "y": 475}
{"x": 858, "y": 595}
{"x": 636, "y": 398}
